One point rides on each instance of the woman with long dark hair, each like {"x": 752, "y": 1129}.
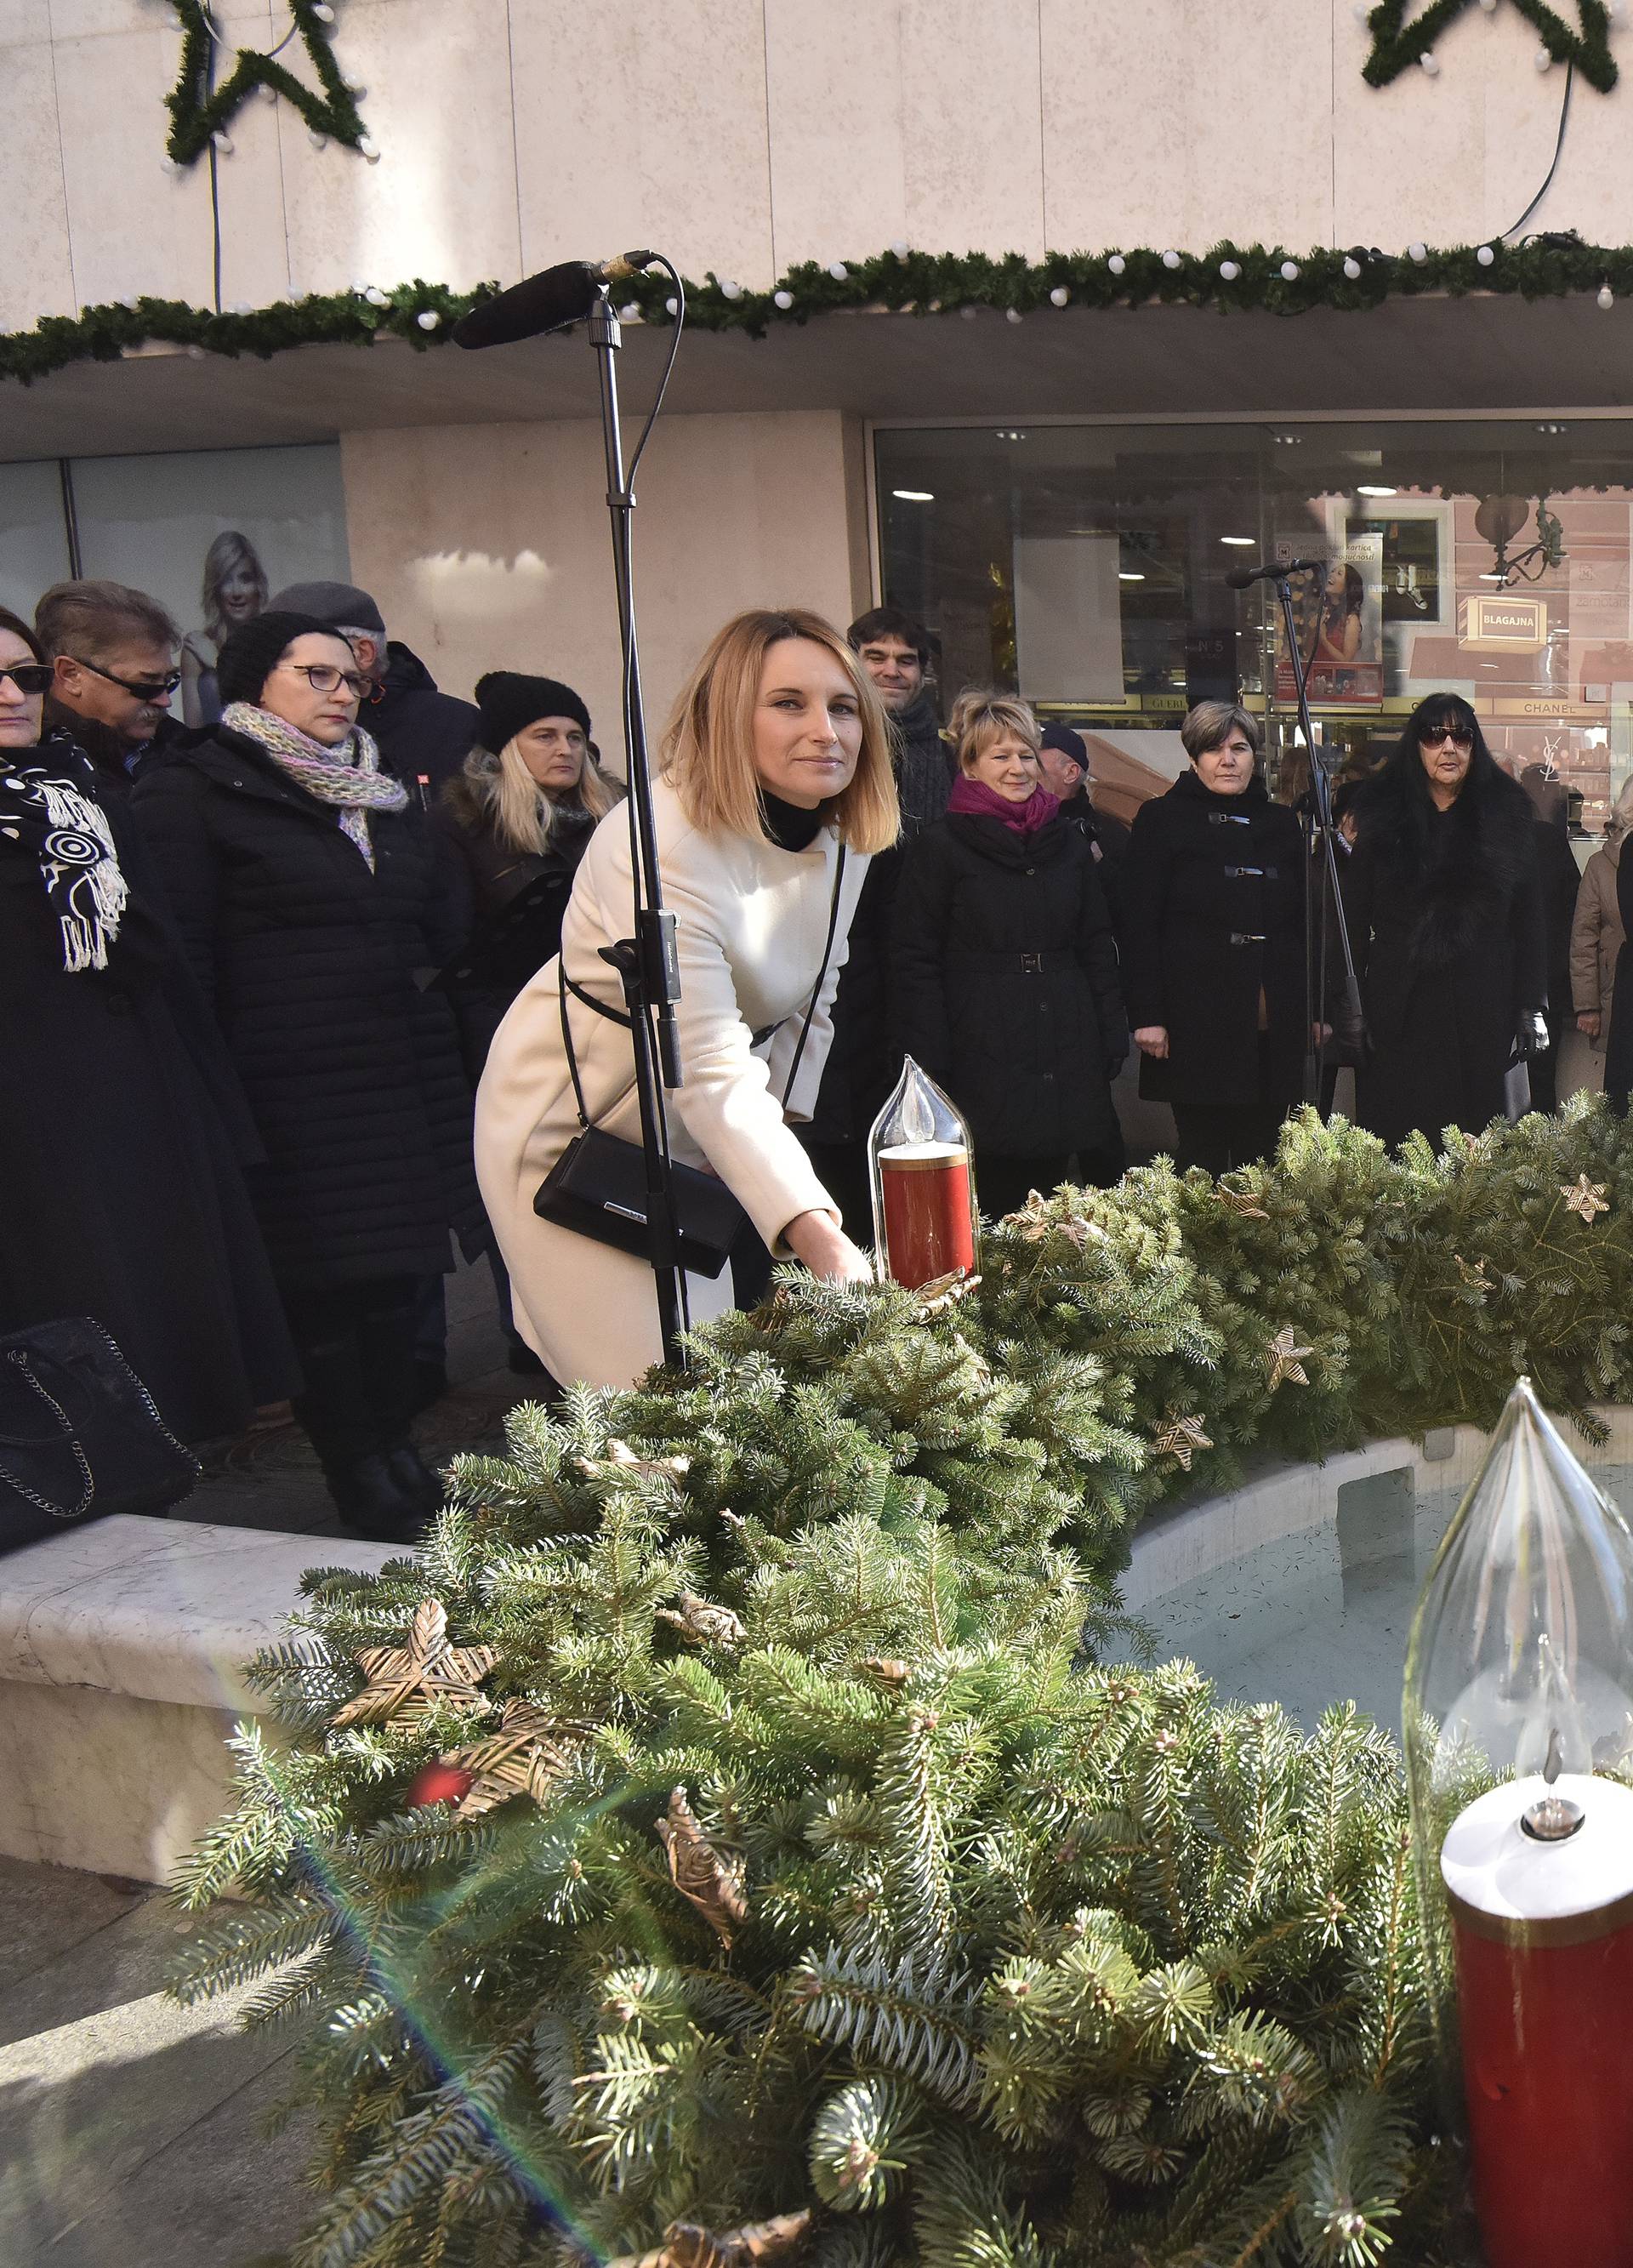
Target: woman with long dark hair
{"x": 1445, "y": 909}
{"x": 1338, "y": 625}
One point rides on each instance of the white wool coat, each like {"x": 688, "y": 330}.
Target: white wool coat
{"x": 750, "y": 920}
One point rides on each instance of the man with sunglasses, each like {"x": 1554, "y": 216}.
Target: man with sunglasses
{"x": 113, "y": 655}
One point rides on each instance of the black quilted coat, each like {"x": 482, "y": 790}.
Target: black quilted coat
{"x": 1005, "y": 984}
{"x": 310, "y": 961}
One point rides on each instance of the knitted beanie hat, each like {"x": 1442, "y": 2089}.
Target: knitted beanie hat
{"x": 509, "y": 702}
{"x": 249, "y": 656}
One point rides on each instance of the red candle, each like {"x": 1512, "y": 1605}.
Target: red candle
{"x": 925, "y": 1190}
{"x": 1544, "y": 1940}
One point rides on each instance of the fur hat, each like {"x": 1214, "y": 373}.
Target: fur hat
{"x": 510, "y": 701}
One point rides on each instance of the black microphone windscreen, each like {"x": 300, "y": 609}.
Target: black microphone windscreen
{"x": 545, "y": 302}
{"x": 1238, "y": 577}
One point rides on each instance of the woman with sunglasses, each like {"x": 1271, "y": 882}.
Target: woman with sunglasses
{"x": 121, "y": 1184}
{"x": 1444, "y": 907}
{"x": 306, "y": 887}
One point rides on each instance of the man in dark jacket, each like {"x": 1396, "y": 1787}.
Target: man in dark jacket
{"x": 114, "y": 653}
{"x": 422, "y": 733}
{"x": 1063, "y": 763}
{"x": 894, "y": 651}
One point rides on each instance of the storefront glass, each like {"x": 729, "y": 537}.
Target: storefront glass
{"x": 1086, "y": 565}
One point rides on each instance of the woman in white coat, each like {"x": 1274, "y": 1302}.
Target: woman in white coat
{"x": 778, "y": 752}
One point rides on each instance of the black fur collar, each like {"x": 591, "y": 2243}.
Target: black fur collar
{"x": 1462, "y": 868}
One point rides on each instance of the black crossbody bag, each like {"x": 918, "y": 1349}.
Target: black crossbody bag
{"x": 597, "y": 1187}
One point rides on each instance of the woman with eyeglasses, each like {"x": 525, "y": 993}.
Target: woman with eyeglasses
{"x": 308, "y": 892}
{"x": 121, "y": 1184}
{"x": 1445, "y": 908}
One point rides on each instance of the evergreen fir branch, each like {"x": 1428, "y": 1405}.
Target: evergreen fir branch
{"x": 910, "y": 2019}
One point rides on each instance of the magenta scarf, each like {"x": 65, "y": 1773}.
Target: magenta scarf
{"x": 976, "y": 800}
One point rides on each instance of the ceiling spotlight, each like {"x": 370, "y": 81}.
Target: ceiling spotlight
{"x": 1248, "y": 541}
{"x": 914, "y": 496}
{"x": 1125, "y": 575}
{"x": 1368, "y": 488}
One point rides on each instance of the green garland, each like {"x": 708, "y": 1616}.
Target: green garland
{"x": 1397, "y": 45}
{"x": 196, "y": 113}
{"x": 1231, "y": 277}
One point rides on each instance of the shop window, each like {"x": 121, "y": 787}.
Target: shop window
{"x": 1086, "y": 565}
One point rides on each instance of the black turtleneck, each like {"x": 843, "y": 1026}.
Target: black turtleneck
{"x": 789, "y": 825}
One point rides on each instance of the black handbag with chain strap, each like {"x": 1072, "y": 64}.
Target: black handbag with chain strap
{"x": 80, "y": 1435}
{"x": 597, "y": 1186}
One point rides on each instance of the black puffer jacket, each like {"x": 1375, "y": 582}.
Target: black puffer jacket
{"x": 1022, "y": 1050}
{"x": 1446, "y": 918}
{"x": 1212, "y": 916}
{"x": 310, "y": 961}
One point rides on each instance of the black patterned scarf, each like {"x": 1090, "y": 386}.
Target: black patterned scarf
{"x": 49, "y": 808}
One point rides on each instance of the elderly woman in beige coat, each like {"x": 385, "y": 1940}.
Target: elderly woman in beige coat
{"x": 1596, "y": 936}
{"x": 778, "y": 753}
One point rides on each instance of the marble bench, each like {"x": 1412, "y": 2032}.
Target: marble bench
{"x": 122, "y": 1654}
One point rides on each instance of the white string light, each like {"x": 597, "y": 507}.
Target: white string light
{"x": 1116, "y": 263}
{"x": 1170, "y": 259}
{"x": 1060, "y": 296}
{"x": 1229, "y": 269}
{"x": 1484, "y": 255}
{"x": 428, "y": 319}
{"x": 1607, "y": 298}
{"x": 1290, "y": 271}
{"x": 838, "y": 270}
{"x": 1417, "y": 252}
{"x": 1013, "y": 315}
{"x": 783, "y": 299}
{"x": 1352, "y": 267}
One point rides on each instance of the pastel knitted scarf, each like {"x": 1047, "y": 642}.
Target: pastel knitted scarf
{"x": 349, "y": 776}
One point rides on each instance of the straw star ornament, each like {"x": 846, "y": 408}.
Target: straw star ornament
{"x": 714, "y": 1885}
{"x": 1584, "y": 1196}
{"x": 1181, "y": 1438}
{"x": 425, "y": 1674}
{"x": 530, "y": 1752}
{"x": 1283, "y": 1357}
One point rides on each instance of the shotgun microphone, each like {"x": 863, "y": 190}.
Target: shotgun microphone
{"x": 548, "y": 301}
{"x": 1239, "y": 577}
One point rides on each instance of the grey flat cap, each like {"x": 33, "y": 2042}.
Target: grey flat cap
{"x": 338, "y": 604}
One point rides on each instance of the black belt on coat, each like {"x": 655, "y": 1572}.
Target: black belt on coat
{"x": 1010, "y": 964}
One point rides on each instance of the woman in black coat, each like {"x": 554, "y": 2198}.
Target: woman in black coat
{"x": 1003, "y": 972}
{"x": 518, "y": 819}
{"x": 308, "y": 893}
{"x": 121, "y": 1193}
{"x": 1213, "y": 937}
{"x": 1444, "y": 907}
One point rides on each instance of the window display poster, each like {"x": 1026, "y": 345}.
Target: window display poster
{"x": 1339, "y": 616}
{"x": 34, "y": 534}
{"x": 1068, "y": 621}
{"x": 211, "y": 536}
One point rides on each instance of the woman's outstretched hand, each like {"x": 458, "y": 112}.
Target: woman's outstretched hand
{"x": 1152, "y": 1039}
{"x": 818, "y": 1240}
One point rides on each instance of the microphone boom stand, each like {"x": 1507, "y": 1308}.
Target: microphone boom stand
{"x": 1321, "y": 798}
{"x": 647, "y": 963}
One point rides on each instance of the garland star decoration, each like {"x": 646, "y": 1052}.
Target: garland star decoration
{"x": 943, "y": 1291}
{"x": 531, "y": 1752}
{"x": 1240, "y": 1201}
{"x": 703, "y": 1623}
{"x": 1181, "y": 1438}
{"x": 1584, "y": 1196}
{"x": 686, "y": 2244}
{"x": 620, "y": 1463}
{"x": 1475, "y": 1278}
{"x": 714, "y": 1885}
{"x": 1397, "y": 44}
{"x": 1283, "y": 1358}
{"x": 427, "y": 1673}
{"x": 198, "y": 112}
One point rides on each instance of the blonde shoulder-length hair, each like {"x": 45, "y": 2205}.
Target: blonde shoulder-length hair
{"x": 982, "y": 717}
{"x": 517, "y": 809}
{"x": 708, "y": 749}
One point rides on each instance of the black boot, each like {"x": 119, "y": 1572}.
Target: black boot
{"x": 373, "y": 1500}
{"x": 415, "y": 1478}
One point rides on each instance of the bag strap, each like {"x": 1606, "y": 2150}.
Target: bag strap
{"x": 816, "y": 990}
{"x": 617, "y": 1016}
